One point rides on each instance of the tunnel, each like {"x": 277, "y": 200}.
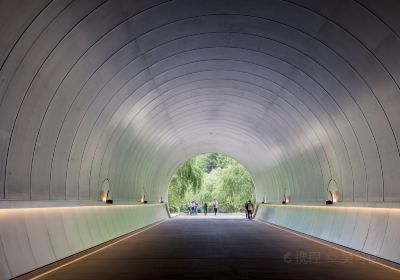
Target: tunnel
{"x": 114, "y": 95}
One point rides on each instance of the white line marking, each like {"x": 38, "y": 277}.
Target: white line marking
{"x": 98, "y": 250}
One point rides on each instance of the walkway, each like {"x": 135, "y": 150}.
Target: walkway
{"x": 185, "y": 248}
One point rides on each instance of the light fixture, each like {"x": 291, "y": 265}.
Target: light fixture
{"x": 109, "y": 199}
{"x": 285, "y": 198}
{"x": 105, "y": 194}
{"x": 328, "y": 202}
{"x": 333, "y": 192}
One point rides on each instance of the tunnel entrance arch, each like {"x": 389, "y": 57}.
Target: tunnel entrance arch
{"x": 210, "y": 178}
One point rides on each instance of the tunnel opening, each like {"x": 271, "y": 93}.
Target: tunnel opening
{"x": 101, "y": 101}
{"x": 208, "y": 181}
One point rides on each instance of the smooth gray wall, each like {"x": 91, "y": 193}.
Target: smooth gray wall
{"x": 35, "y": 237}
{"x": 300, "y": 92}
{"x": 373, "y": 231}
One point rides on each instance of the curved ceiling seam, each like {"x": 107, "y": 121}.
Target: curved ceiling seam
{"x": 354, "y": 101}
{"x": 237, "y": 127}
{"x": 281, "y": 167}
{"x": 79, "y": 92}
{"x": 40, "y": 69}
{"x": 376, "y": 16}
{"x": 307, "y": 56}
{"x": 126, "y": 126}
{"x": 366, "y": 119}
{"x": 361, "y": 76}
{"x": 377, "y": 75}
{"x": 67, "y": 73}
{"x": 145, "y": 156}
{"x": 329, "y": 48}
{"x": 207, "y": 122}
{"x": 56, "y": 91}
{"x": 44, "y": 59}
{"x": 24, "y": 96}
{"x": 88, "y": 138}
{"x": 351, "y": 35}
{"x": 314, "y": 159}
{"x": 28, "y": 26}
{"x": 295, "y": 96}
{"x": 28, "y": 49}
{"x": 158, "y": 114}
{"x": 265, "y": 113}
{"x": 137, "y": 161}
{"x": 50, "y": 52}
{"x": 79, "y": 124}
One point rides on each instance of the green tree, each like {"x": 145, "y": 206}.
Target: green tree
{"x": 189, "y": 177}
{"x": 211, "y": 161}
{"x": 211, "y": 176}
{"x": 235, "y": 188}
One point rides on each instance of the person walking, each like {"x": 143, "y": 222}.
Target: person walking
{"x": 205, "y": 207}
{"x": 215, "y": 206}
{"x": 192, "y": 207}
{"x": 250, "y": 208}
{"x": 196, "y": 207}
{"x": 246, "y": 210}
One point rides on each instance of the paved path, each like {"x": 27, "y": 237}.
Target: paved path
{"x": 220, "y": 249}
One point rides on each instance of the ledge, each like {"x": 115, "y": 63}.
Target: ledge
{"x": 23, "y": 204}
{"x": 379, "y": 205}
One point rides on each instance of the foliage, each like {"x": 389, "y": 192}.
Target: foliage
{"x": 189, "y": 177}
{"x": 227, "y": 181}
{"x": 209, "y": 162}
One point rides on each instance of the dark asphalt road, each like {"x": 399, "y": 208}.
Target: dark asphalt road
{"x": 220, "y": 249}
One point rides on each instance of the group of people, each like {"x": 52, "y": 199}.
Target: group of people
{"x": 193, "y": 207}
{"x": 249, "y": 208}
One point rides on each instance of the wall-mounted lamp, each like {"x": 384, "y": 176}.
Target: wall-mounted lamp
{"x": 285, "y": 199}
{"x": 329, "y": 201}
{"x": 143, "y": 198}
{"x": 333, "y": 192}
{"x": 105, "y": 193}
{"x": 264, "y": 201}
{"x": 103, "y": 196}
{"x": 109, "y": 199}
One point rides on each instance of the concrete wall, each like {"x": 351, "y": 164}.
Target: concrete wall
{"x": 34, "y": 237}
{"x": 375, "y": 231}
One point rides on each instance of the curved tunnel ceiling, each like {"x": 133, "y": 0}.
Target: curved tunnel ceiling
{"x": 300, "y": 92}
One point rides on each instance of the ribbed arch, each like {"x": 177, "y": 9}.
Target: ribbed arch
{"x": 300, "y": 92}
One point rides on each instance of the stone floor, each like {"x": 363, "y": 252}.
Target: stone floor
{"x": 220, "y": 248}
